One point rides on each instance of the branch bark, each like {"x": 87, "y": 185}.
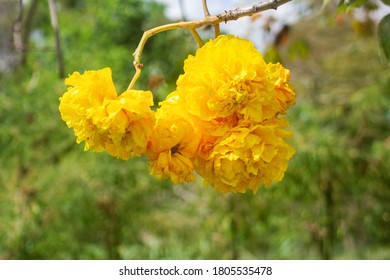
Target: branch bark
{"x": 194, "y": 24}
{"x": 205, "y": 8}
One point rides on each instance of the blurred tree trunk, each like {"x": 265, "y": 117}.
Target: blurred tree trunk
{"x": 27, "y": 28}
{"x": 16, "y": 26}
{"x": 8, "y": 19}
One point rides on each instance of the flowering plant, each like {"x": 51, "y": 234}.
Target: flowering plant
{"x": 224, "y": 121}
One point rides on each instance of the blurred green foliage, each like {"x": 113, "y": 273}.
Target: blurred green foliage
{"x": 384, "y": 37}
{"x": 57, "y": 202}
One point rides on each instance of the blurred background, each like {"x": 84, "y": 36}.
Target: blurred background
{"x": 58, "y": 202}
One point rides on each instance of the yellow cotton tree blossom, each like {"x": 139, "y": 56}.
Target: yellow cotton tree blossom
{"x": 173, "y": 143}
{"x": 82, "y": 104}
{"x": 121, "y": 125}
{"x": 228, "y": 79}
{"x": 224, "y": 121}
{"x": 248, "y": 156}
{"x": 284, "y": 95}
{"x": 129, "y": 123}
{"x": 234, "y": 99}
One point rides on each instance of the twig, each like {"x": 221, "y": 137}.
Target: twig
{"x": 194, "y": 24}
{"x": 205, "y": 9}
{"x": 198, "y": 40}
{"x": 217, "y": 30}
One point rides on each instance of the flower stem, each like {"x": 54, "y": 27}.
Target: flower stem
{"x": 205, "y": 9}
{"x": 198, "y": 40}
{"x": 217, "y": 30}
{"x": 138, "y": 69}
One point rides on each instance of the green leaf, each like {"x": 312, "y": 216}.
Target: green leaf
{"x": 347, "y": 5}
{"x": 299, "y": 49}
{"x": 387, "y": 2}
{"x": 384, "y": 37}
{"x": 272, "y": 55}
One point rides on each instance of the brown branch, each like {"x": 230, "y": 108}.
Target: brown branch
{"x": 205, "y": 8}
{"x": 194, "y": 24}
{"x": 249, "y": 11}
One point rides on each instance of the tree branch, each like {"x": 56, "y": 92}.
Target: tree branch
{"x": 205, "y": 9}
{"x": 249, "y": 11}
{"x": 194, "y": 24}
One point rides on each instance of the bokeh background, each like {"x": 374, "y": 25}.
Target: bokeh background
{"x": 59, "y": 202}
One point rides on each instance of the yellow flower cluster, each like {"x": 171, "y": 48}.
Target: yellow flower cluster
{"x": 120, "y": 125}
{"x": 223, "y": 121}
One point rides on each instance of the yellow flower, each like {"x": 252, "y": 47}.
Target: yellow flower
{"x": 248, "y": 156}
{"x": 172, "y": 165}
{"x": 223, "y": 121}
{"x": 96, "y": 86}
{"x": 83, "y": 102}
{"x": 234, "y": 99}
{"x": 228, "y": 80}
{"x": 285, "y": 96}
{"x": 121, "y": 125}
{"x": 173, "y": 143}
{"x": 129, "y": 123}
